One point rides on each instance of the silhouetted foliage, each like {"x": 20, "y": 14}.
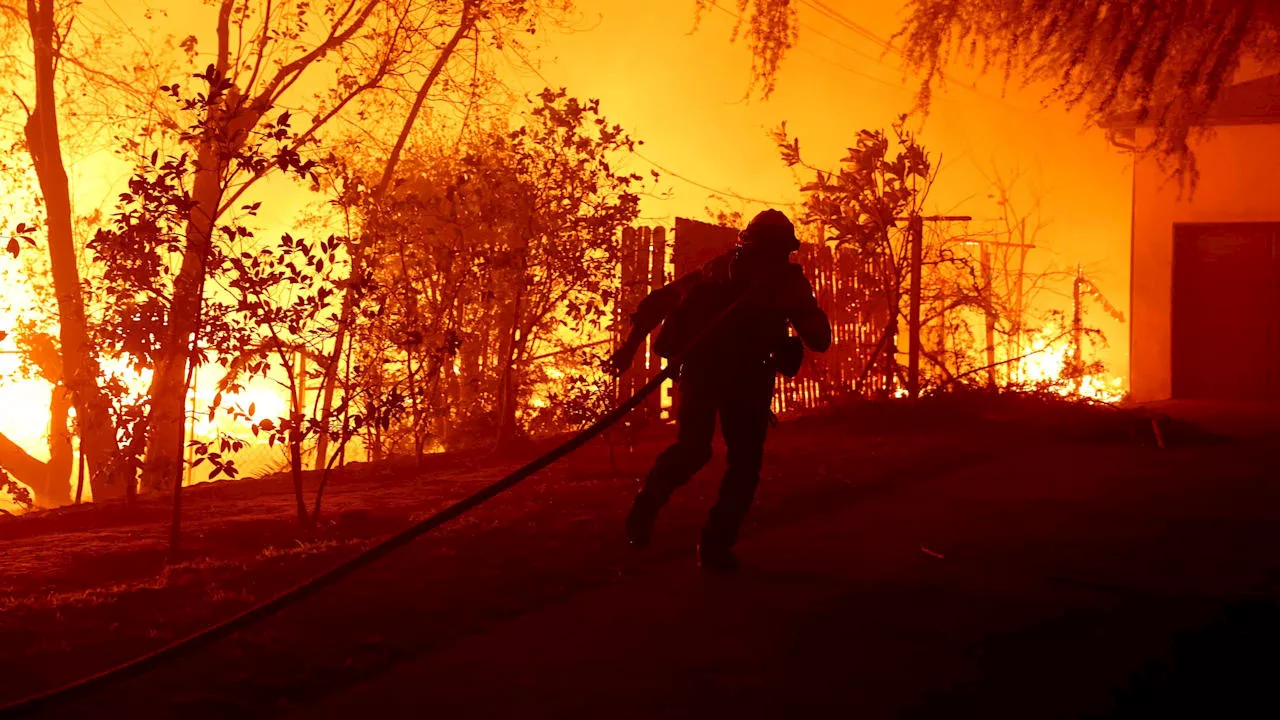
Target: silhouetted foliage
{"x": 487, "y": 259}
{"x": 1166, "y": 59}
{"x": 771, "y": 30}
{"x": 227, "y": 130}
{"x": 16, "y": 492}
{"x": 862, "y": 209}
{"x": 863, "y": 206}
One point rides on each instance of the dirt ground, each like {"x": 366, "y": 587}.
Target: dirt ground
{"x": 964, "y": 558}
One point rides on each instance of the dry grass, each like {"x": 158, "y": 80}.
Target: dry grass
{"x": 86, "y": 587}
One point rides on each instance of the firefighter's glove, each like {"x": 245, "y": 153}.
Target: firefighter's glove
{"x": 618, "y": 363}
{"x": 788, "y": 356}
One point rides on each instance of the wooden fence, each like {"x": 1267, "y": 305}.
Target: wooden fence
{"x": 644, "y": 269}
{"x": 845, "y": 289}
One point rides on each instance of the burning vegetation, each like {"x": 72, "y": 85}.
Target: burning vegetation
{"x": 331, "y": 254}
{"x": 454, "y": 280}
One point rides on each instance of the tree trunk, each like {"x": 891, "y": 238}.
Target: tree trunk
{"x": 29, "y": 471}
{"x": 295, "y": 466}
{"x": 373, "y": 383}
{"x": 50, "y": 482}
{"x": 507, "y": 386}
{"x": 81, "y": 371}
{"x": 330, "y": 380}
{"x": 175, "y": 523}
{"x": 465, "y": 25}
{"x": 57, "y": 490}
{"x": 168, "y": 392}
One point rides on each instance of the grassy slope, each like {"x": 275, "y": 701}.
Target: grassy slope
{"x": 84, "y": 588}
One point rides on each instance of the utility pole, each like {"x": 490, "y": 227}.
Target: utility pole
{"x": 1077, "y": 330}
{"x": 1021, "y": 296}
{"x": 915, "y": 232}
{"x": 990, "y": 313}
{"x": 916, "y": 229}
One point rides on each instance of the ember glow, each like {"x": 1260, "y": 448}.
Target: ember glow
{"x": 354, "y": 353}
{"x": 707, "y": 154}
{"x": 1047, "y": 367}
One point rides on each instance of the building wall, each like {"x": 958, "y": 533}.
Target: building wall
{"x": 1239, "y": 182}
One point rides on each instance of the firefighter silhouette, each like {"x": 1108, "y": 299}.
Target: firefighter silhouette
{"x": 730, "y": 317}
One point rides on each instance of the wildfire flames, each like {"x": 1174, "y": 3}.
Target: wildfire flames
{"x": 1048, "y": 365}
{"x": 29, "y": 428}
{"x": 499, "y": 246}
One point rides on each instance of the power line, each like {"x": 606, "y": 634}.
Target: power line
{"x": 823, "y": 58}
{"x": 866, "y": 33}
{"x": 695, "y": 183}
{"x": 856, "y": 51}
{"x": 853, "y": 71}
{"x": 840, "y": 18}
{"x": 726, "y": 193}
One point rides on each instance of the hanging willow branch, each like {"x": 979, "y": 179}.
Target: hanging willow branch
{"x": 1165, "y": 60}
{"x": 771, "y": 30}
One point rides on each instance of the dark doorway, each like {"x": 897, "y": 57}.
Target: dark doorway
{"x": 1226, "y": 311}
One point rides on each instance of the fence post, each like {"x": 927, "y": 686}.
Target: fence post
{"x": 988, "y": 280}
{"x": 1077, "y": 330}
{"x": 915, "y": 228}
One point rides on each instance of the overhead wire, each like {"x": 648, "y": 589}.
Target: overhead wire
{"x": 852, "y": 48}
{"x": 853, "y": 71}
{"x": 825, "y": 59}
{"x": 866, "y": 33}
{"x": 717, "y": 191}
{"x": 851, "y": 24}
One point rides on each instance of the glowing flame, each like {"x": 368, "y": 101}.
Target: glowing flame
{"x": 1047, "y": 365}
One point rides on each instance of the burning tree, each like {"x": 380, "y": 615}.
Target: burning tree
{"x": 366, "y": 56}
{"x": 487, "y": 260}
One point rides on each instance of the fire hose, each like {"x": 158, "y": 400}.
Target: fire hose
{"x": 203, "y": 638}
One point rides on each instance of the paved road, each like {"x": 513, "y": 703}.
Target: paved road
{"x": 1088, "y": 584}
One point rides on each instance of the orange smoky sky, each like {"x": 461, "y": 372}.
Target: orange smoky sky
{"x": 684, "y": 93}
